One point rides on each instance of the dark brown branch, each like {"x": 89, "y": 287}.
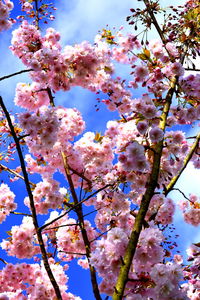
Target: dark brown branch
{"x": 191, "y": 69}
{"x": 74, "y": 206}
{"x": 86, "y": 241}
{"x": 51, "y": 98}
{"x": 176, "y": 189}
{"x": 14, "y": 74}
{"x": 5, "y": 262}
{"x": 32, "y": 206}
{"x": 154, "y": 21}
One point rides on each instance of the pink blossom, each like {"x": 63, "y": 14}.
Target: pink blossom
{"x": 172, "y": 49}
{"x": 156, "y": 134}
{"x": 140, "y": 73}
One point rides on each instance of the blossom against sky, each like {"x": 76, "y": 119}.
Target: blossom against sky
{"x": 77, "y": 21}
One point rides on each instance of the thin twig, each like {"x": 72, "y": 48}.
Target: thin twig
{"x": 100, "y": 235}
{"x": 57, "y": 227}
{"x": 16, "y": 73}
{"x": 191, "y": 69}
{"x": 5, "y": 262}
{"x": 176, "y": 189}
{"x": 21, "y": 214}
{"x": 4, "y": 168}
{"x": 81, "y": 175}
{"x": 185, "y": 163}
{"x": 74, "y": 206}
{"x": 86, "y": 241}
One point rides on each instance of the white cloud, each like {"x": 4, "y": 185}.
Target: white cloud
{"x": 82, "y": 19}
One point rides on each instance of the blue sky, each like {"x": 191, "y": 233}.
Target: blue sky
{"x": 79, "y": 20}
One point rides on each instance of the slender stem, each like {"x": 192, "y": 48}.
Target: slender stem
{"x": 21, "y": 214}
{"x": 81, "y": 175}
{"x": 176, "y": 189}
{"x": 5, "y": 262}
{"x": 191, "y": 69}
{"x": 79, "y": 213}
{"x": 14, "y": 74}
{"x": 32, "y": 205}
{"x": 15, "y": 173}
{"x": 60, "y": 226}
{"x": 172, "y": 183}
{"x": 154, "y": 21}
{"x": 74, "y": 206}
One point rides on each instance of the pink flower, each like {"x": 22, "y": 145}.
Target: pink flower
{"x": 172, "y": 49}
{"x": 156, "y": 134}
{"x": 177, "y": 69}
{"x": 140, "y": 73}
{"x": 142, "y": 127}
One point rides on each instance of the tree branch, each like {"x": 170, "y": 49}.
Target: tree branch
{"x": 151, "y": 186}
{"x": 172, "y": 183}
{"x": 21, "y": 214}
{"x": 74, "y": 206}
{"x": 32, "y": 206}
{"x": 154, "y": 21}
{"x": 4, "y": 168}
{"x": 14, "y": 74}
{"x": 79, "y": 213}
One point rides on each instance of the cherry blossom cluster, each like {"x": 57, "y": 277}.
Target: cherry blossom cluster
{"x": 187, "y": 115}
{"x": 176, "y": 147}
{"x": 166, "y": 278}
{"x": 96, "y": 157}
{"x": 51, "y": 127}
{"x": 6, "y": 201}
{"x": 119, "y": 97}
{"x": 191, "y": 210}
{"x": 31, "y": 96}
{"x": 33, "y": 279}
{"x": 162, "y": 209}
{"x": 46, "y": 196}
{"x": 191, "y": 273}
{"x": 162, "y": 279}
{"x": 70, "y": 242}
{"x": 5, "y": 7}
{"x": 26, "y": 6}
{"x": 134, "y": 158}
{"x": 42, "y": 128}
{"x": 113, "y": 210}
{"x": 82, "y": 64}
{"x": 23, "y": 241}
